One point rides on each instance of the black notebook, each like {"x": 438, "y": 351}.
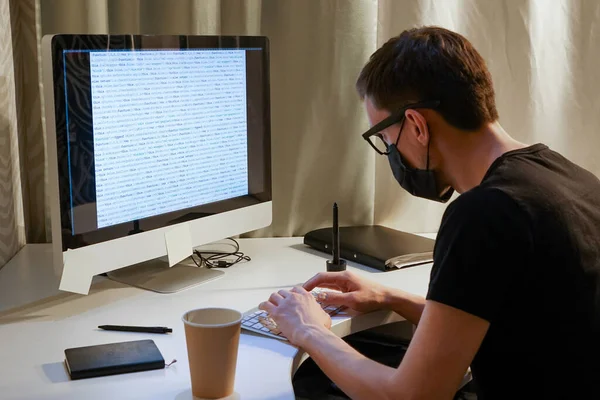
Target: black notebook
{"x": 113, "y": 358}
{"x": 375, "y": 246}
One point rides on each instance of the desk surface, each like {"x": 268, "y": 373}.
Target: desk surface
{"x": 33, "y": 338}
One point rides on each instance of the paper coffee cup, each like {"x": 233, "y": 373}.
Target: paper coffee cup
{"x": 212, "y": 336}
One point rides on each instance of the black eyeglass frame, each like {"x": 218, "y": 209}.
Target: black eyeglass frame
{"x": 394, "y": 118}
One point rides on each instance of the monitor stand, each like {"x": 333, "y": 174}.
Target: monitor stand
{"x": 157, "y": 276}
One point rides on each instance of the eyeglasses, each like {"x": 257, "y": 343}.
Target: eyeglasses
{"x": 374, "y": 136}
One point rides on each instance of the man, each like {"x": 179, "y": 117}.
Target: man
{"x": 515, "y": 284}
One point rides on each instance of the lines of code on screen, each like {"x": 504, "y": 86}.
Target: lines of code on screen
{"x": 170, "y": 130}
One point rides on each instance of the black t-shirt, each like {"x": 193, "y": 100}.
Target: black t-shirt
{"x": 522, "y": 251}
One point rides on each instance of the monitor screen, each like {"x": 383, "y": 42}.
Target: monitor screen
{"x": 152, "y": 131}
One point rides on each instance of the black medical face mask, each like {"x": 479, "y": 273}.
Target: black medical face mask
{"x": 418, "y": 182}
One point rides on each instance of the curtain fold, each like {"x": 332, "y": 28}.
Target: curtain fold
{"x": 317, "y": 50}
{"x": 12, "y": 224}
{"x": 542, "y": 55}
{"x": 31, "y": 141}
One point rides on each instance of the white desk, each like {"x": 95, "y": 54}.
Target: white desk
{"x": 33, "y": 338}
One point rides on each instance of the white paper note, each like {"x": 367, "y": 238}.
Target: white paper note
{"x": 73, "y": 279}
{"x": 179, "y": 244}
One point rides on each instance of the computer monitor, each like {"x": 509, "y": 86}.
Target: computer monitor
{"x": 154, "y": 142}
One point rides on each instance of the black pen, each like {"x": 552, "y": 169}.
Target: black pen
{"x": 336, "y": 235}
{"x": 336, "y": 264}
{"x": 143, "y": 329}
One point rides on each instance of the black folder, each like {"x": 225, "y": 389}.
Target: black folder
{"x": 113, "y": 358}
{"x": 375, "y": 246}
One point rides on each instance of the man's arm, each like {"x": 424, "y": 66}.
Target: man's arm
{"x": 408, "y": 305}
{"x": 440, "y": 352}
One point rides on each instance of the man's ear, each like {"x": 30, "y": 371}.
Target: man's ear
{"x": 420, "y": 125}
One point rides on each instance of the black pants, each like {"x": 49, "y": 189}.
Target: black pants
{"x": 311, "y": 383}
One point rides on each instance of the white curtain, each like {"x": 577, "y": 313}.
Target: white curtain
{"x": 543, "y": 57}
{"x": 12, "y": 224}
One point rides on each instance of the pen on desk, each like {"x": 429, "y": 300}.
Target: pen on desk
{"x": 142, "y": 329}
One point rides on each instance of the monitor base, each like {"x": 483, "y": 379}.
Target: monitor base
{"x": 157, "y": 276}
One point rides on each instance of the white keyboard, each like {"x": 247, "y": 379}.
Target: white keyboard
{"x": 259, "y": 321}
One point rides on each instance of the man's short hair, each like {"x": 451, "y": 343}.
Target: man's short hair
{"x": 431, "y": 63}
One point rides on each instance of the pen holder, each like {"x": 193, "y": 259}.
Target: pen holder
{"x": 333, "y": 267}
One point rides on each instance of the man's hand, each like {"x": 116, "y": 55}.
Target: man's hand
{"x": 296, "y": 311}
{"x": 357, "y": 293}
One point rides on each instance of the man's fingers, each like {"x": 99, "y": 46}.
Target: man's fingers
{"x": 322, "y": 278}
{"x": 284, "y": 293}
{"x": 336, "y": 299}
{"x": 275, "y": 298}
{"x": 314, "y": 281}
{"x": 266, "y": 306}
{"x": 331, "y": 286}
{"x": 298, "y": 289}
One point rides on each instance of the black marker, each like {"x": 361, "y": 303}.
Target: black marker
{"x": 336, "y": 264}
{"x": 142, "y": 329}
{"x": 336, "y": 236}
